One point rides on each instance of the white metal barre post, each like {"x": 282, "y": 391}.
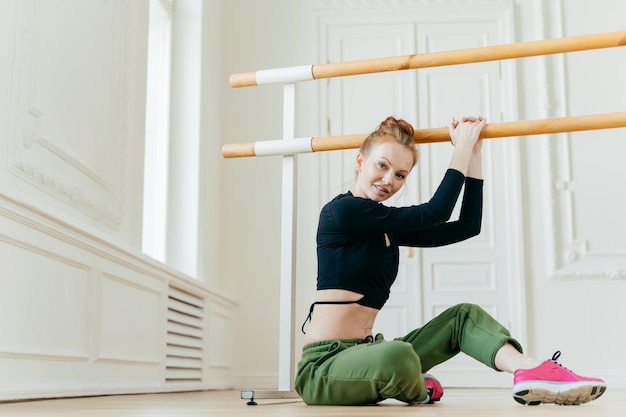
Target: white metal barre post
{"x": 286, "y": 343}
{"x": 288, "y": 243}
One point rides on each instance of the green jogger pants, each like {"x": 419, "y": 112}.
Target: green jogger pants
{"x": 360, "y": 372}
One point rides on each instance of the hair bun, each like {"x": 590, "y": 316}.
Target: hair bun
{"x": 399, "y": 129}
{"x": 393, "y": 124}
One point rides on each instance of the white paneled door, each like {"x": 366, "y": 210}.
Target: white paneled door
{"x": 485, "y": 270}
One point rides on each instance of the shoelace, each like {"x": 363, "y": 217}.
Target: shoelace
{"x": 555, "y": 357}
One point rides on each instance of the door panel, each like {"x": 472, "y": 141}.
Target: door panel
{"x": 483, "y": 270}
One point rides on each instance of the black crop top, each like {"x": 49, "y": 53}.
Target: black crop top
{"x": 351, "y": 247}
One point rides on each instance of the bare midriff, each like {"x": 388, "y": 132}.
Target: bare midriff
{"x": 339, "y": 321}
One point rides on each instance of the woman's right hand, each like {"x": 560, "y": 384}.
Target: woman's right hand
{"x": 465, "y": 132}
{"x": 464, "y": 135}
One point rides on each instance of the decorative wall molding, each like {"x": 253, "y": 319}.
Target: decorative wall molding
{"x": 95, "y": 242}
{"x": 95, "y": 358}
{"x": 40, "y": 157}
{"x": 570, "y": 256}
{"x": 220, "y": 318}
{"x": 116, "y": 321}
{"x": 43, "y": 355}
{"x": 376, "y": 4}
{"x": 600, "y": 272}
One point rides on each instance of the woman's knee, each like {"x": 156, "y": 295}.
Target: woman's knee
{"x": 469, "y": 308}
{"x": 398, "y": 358}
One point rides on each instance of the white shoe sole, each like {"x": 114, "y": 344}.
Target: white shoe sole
{"x": 561, "y": 393}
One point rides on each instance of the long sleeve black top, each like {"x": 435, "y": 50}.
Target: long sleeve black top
{"x": 351, "y": 246}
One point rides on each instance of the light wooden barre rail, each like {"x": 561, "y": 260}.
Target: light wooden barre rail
{"x": 432, "y": 59}
{"x": 432, "y": 135}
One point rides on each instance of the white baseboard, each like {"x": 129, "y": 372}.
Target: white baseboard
{"x": 255, "y": 380}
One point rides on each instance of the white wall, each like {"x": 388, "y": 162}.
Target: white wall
{"x": 250, "y": 225}
{"x": 572, "y": 311}
{"x": 83, "y": 311}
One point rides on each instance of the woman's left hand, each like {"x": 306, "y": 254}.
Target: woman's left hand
{"x": 467, "y": 130}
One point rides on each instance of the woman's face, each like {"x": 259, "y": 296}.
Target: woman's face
{"x": 383, "y": 171}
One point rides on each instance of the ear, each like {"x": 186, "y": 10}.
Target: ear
{"x": 359, "y": 161}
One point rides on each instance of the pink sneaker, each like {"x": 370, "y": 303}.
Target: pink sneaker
{"x": 435, "y": 390}
{"x": 552, "y": 383}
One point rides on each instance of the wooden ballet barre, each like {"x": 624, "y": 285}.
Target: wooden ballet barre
{"x": 431, "y": 59}
{"x": 431, "y": 135}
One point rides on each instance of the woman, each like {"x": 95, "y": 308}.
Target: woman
{"x": 357, "y": 243}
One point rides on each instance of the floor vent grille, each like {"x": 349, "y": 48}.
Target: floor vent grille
{"x": 185, "y": 333}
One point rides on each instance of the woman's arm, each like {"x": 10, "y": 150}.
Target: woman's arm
{"x": 475, "y": 168}
{"x": 367, "y": 216}
{"x": 464, "y": 135}
{"x": 360, "y": 215}
{"x": 467, "y": 226}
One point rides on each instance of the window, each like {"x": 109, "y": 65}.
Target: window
{"x": 170, "y": 213}
{"x": 157, "y": 130}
